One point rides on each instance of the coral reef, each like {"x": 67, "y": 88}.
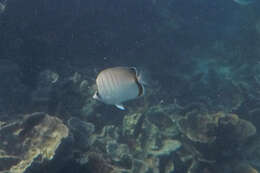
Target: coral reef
{"x": 223, "y": 134}
{"x": 200, "y": 113}
{"x": 243, "y": 168}
{"x": 198, "y": 127}
{"x": 82, "y": 131}
{"x": 205, "y": 128}
{"x": 155, "y": 137}
{"x": 33, "y": 138}
{"x": 168, "y": 146}
{"x": 139, "y": 146}
{"x": 238, "y": 129}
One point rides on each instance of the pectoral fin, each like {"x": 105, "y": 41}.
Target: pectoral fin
{"x": 96, "y": 96}
{"x": 120, "y": 106}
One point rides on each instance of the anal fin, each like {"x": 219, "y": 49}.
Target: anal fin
{"x": 120, "y": 106}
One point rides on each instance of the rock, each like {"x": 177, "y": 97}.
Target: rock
{"x": 243, "y": 168}
{"x": 168, "y": 146}
{"x": 87, "y": 91}
{"x": 77, "y": 77}
{"x": 164, "y": 121}
{"x": 130, "y": 124}
{"x": 98, "y": 162}
{"x": 82, "y": 132}
{"x": 148, "y": 165}
{"x": 106, "y": 145}
{"x": 118, "y": 152}
{"x": 205, "y": 128}
{"x": 109, "y": 132}
{"x": 198, "y": 127}
{"x": 169, "y": 168}
{"x": 65, "y": 96}
{"x": 83, "y": 127}
{"x": 143, "y": 141}
{"x": 107, "y": 156}
{"x": 254, "y": 113}
{"x": 160, "y": 120}
{"x": 47, "y": 78}
{"x": 149, "y": 137}
{"x": 235, "y": 128}
{"x": 251, "y": 151}
{"x": 33, "y": 138}
{"x": 85, "y": 88}
{"x": 236, "y": 166}
{"x": 164, "y": 118}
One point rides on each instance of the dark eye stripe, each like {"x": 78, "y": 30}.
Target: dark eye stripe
{"x": 140, "y": 87}
{"x": 98, "y": 95}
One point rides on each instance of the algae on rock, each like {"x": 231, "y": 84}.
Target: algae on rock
{"x": 38, "y": 135}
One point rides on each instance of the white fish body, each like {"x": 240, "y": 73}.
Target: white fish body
{"x": 117, "y": 85}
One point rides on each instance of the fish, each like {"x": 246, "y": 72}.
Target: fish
{"x": 119, "y": 84}
{"x": 244, "y": 2}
